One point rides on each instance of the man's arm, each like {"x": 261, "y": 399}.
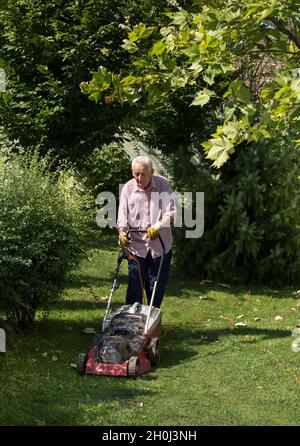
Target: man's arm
{"x": 169, "y": 213}
{"x": 122, "y": 222}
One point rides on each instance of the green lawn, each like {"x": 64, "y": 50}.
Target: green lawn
{"x": 212, "y": 372}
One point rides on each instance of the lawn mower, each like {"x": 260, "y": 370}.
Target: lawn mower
{"x": 128, "y": 342}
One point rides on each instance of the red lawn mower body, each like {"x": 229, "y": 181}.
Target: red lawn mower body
{"x": 122, "y": 348}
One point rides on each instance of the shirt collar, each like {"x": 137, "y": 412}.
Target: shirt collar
{"x": 152, "y": 185}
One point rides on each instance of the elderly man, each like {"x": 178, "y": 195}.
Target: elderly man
{"x": 146, "y": 202}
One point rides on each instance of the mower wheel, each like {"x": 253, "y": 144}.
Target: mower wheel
{"x": 133, "y": 366}
{"x": 81, "y": 363}
{"x": 154, "y": 351}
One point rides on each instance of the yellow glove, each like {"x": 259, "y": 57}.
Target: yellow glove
{"x": 124, "y": 240}
{"x": 153, "y": 231}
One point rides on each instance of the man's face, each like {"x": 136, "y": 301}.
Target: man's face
{"x": 142, "y": 174}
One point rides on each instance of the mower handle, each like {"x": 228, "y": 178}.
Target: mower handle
{"x": 143, "y": 231}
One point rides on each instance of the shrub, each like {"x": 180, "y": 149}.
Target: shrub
{"x": 42, "y": 229}
{"x": 252, "y": 221}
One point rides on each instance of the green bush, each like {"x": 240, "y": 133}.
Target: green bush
{"x": 106, "y": 168}
{"x": 252, "y": 220}
{"x": 42, "y": 229}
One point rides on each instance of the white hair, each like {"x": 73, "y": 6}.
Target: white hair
{"x": 142, "y": 160}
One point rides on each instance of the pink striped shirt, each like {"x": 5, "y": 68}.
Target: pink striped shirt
{"x": 139, "y": 209}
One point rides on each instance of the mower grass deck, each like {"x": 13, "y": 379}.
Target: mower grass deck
{"x": 122, "y": 348}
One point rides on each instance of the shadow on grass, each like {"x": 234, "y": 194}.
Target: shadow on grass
{"x": 180, "y": 344}
{"x": 57, "y": 395}
{"x": 192, "y": 334}
{"x": 78, "y": 305}
{"x": 183, "y": 287}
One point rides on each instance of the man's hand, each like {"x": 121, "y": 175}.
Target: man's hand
{"x": 154, "y": 230}
{"x": 124, "y": 240}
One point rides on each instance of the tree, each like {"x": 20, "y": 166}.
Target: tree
{"x": 48, "y": 48}
{"x": 206, "y": 48}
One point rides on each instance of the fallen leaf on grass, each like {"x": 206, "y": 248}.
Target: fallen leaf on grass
{"x": 257, "y": 319}
{"x": 240, "y": 324}
{"x": 298, "y": 304}
{"x": 140, "y": 404}
{"x": 54, "y": 358}
{"x": 104, "y": 298}
{"x": 202, "y": 297}
{"x": 240, "y": 316}
{"x": 205, "y": 281}
{"x": 74, "y": 366}
{"x": 89, "y": 330}
{"x": 293, "y": 309}
{"x": 45, "y": 354}
{"x": 228, "y": 319}
{"x": 278, "y": 318}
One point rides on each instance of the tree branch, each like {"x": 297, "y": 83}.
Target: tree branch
{"x": 281, "y": 27}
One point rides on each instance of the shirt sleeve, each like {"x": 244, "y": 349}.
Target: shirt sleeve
{"x": 122, "y": 221}
{"x": 170, "y": 209}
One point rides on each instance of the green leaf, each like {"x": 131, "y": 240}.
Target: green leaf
{"x": 179, "y": 82}
{"x": 167, "y": 62}
{"x": 193, "y": 50}
{"x": 264, "y": 14}
{"x": 240, "y": 91}
{"x": 43, "y": 69}
{"x": 137, "y": 33}
{"x": 282, "y": 92}
{"x": 157, "y": 49}
{"x": 102, "y": 79}
{"x": 203, "y": 97}
{"x": 219, "y": 151}
{"x": 154, "y": 93}
{"x": 129, "y": 80}
{"x": 222, "y": 159}
{"x": 267, "y": 93}
{"x": 178, "y": 18}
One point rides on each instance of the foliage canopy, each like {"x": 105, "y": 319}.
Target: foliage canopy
{"x": 208, "y": 46}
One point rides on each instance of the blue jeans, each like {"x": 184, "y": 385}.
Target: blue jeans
{"x": 149, "y": 269}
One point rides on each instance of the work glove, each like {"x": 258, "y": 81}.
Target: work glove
{"x": 124, "y": 240}
{"x": 154, "y": 230}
